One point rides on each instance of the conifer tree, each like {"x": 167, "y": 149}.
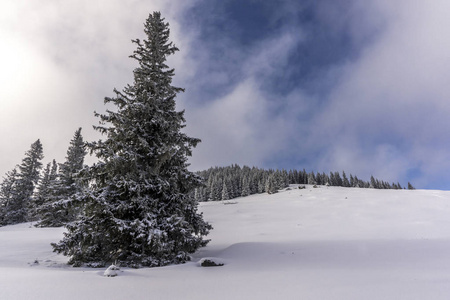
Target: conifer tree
{"x": 139, "y": 210}
{"x": 245, "y": 187}
{"x": 345, "y": 182}
{"x": 44, "y": 182}
{"x": 47, "y": 190}
{"x": 312, "y": 178}
{"x": 262, "y": 185}
{"x": 7, "y": 194}
{"x": 198, "y": 194}
{"x": 73, "y": 165}
{"x": 18, "y": 207}
{"x": 225, "y": 194}
{"x": 352, "y": 181}
{"x": 271, "y": 184}
{"x": 61, "y": 205}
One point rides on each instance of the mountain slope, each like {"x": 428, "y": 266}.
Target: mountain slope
{"x": 324, "y": 243}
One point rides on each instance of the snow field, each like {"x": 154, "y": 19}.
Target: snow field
{"x": 324, "y": 243}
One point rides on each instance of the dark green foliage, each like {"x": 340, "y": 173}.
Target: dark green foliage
{"x": 8, "y": 194}
{"x": 312, "y": 178}
{"x": 69, "y": 170}
{"x": 58, "y": 204}
{"x": 225, "y": 193}
{"x": 245, "y": 187}
{"x": 211, "y": 263}
{"x": 239, "y": 182}
{"x": 271, "y": 184}
{"x": 247, "y": 181}
{"x": 138, "y": 209}
{"x": 47, "y": 192}
{"x": 345, "y": 181}
{"x": 18, "y": 188}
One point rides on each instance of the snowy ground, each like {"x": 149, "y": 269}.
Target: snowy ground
{"x": 324, "y": 243}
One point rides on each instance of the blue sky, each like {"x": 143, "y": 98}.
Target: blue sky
{"x": 326, "y": 85}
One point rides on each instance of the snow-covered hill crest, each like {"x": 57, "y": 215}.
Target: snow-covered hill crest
{"x": 314, "y": 243}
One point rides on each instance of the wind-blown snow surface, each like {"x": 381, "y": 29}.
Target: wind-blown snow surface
{"x": 323, "y": 243}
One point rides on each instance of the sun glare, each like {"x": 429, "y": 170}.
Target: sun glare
{"x": 13, "y": 56}
{"x": 18, "y": 68}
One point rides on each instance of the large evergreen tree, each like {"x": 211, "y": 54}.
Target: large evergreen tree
{"x": 138, "y": 210}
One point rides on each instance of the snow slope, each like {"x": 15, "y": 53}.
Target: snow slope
{"x": 324, "y": 243}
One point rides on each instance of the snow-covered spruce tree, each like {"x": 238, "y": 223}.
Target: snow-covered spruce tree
{"x": 312, "y": 178}
{"x": 271, "y": 184}
{"x": 46, "y": 191}
{"x": 71, "y": 181}
{"x": 21, "y": 199}
{"x": 245, "y": 187}
{"x": 73, "y": 165}
{"x": 225, "y": 194}
{"x": 61, "y": 206}
{"x": 138, "y": 210}
{"x": 7, "y": 194}
{"x": 345, "y": 181}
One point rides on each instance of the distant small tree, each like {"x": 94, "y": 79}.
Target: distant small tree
{"x": 338, "y": 179}
{"x": 345, "y": 181}
{"x": 410, "y": 186}
{"x": 271, "y": 184}
{"x": 373, "y": 183}
{"x": 311, "y": 178}
{"x": 215, "y": 189}
{"x": 245, "y": 187}
{"x": 225, "y": 194}
{"x": 261, "y": 186}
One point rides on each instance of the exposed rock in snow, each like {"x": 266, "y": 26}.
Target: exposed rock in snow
{"x": 211, "y": 262}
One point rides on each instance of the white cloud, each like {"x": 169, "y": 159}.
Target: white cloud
{"x": 235, "y": 129}
{"x": 393, "y": 100}
{"x": 59, "y": 60}
{"x": 247, "y": 125}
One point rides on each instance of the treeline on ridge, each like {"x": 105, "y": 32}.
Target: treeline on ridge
{"x": 225, "y": 183}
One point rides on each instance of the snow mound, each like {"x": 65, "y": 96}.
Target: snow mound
{"x": 111, "y": 271}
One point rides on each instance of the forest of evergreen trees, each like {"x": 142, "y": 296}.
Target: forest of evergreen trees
{"x": 224, "y": 183}
{"x": 46, "y": 196}
{"x": 29, "y": 194}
